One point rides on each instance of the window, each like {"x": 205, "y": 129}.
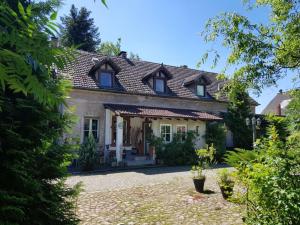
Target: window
{"x": 166, "y": 132}
{"x": 105, "y": 79}
{"x": 159, "y": 85}
{"x": 200, "y": 90}
{"x": 91, "y": 126}
{"x": 181, "y": 132}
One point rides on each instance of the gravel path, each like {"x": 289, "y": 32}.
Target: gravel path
{"x": 129, "y": 179}
{"x": 153, "y": 196}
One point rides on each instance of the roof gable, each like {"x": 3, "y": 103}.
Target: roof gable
{"x": 160, "y": 68}
{"x": 98, "y": 63}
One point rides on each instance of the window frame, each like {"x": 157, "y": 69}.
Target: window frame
{"x": 164, "y": 84}
{"x": 106, "y": 70}
{"x": 204, "y": 89}
{"x": 90, "y": 129}
{"x": 171, "y": 131}
{"x": 185, "y": 134}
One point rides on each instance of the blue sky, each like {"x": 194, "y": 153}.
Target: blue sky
{"x": 168, "y": 31}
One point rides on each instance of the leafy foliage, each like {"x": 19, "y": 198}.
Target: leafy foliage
{"x": 272, "y": 181}
{"x": 176, "y": 152}
{"x": 279, "y": 122}
{"x": 225, "y": 178}
{"x": 109, "y": 48}
{"x": 238, "y": 111}
{"x": 87, "y": 154}
{"x": 114, "y": 49}
{"x": 266, "y": 52}
{"x": 216, "y": 136}
{"x": 205, "y": 158}
{"x": 26, "y": 60}
{"x": 79, "y": 30}
{"x": 33, "y": 154}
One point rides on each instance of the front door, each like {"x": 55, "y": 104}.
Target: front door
{"x": 147, "y": 135}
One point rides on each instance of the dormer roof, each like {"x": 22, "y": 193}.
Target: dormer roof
{"x": 158, "y": 68}
{"x": 99, "y": 62}
{"x": 130, "y": 75}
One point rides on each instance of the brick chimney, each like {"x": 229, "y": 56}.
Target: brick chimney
{"x": 123, "y": 54}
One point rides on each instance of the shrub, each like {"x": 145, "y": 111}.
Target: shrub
{"x": 87, "y": 154}
{"x": 176, "y": 152}
{"x": 271, "y": 179}
{"x": 205, "y": 158}
{"x": 226, "y": 182}
{"x": 216, "y": 135}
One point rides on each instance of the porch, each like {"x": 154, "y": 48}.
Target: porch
{"x": 128, "y": 130}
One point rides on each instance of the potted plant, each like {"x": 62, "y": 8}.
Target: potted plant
{"x": 226, "y": 183}
{"x": 204, "y": 161}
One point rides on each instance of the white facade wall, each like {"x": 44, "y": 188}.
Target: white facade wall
{"x": 90, "y": 104}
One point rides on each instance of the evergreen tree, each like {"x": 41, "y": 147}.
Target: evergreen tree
{"x": 79, "y": 30}
{"x": 33, "y": 157}
{"x": 235, "y": 119}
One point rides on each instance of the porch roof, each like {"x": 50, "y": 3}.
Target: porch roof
{"x": 157, "y": 112}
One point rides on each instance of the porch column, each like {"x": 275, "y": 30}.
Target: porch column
{"x": 119, "y": 138}
{"x": 107, "y": 133}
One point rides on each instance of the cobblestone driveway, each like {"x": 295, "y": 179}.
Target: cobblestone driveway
{"x": 152, "y": 196}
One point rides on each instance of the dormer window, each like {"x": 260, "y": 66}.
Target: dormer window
{"x": 159, "y": 85}
{"x": 200, "y": 90}
{"x": 105, "y": 79}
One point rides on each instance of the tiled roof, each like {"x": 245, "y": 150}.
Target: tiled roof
{"x": 276, "y": 102}
{"x": 157, "y": 112}
{"x": 131, "y": 74}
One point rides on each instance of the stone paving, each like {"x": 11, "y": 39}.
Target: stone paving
{"x": 153, "y": 196}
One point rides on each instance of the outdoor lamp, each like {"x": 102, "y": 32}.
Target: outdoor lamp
{"x": 258, "y": 121}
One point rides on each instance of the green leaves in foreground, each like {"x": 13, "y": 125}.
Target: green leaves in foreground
{"x": 26, "y": 59}
{"x": 262, "y": 53}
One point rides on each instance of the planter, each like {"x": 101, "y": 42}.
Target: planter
{"x": 226, "y": 191}
{"x": 199, "y": 184}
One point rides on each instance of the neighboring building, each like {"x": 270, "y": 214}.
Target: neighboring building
{"x": 278, "y": 104}
{"x": 122, "y": 102}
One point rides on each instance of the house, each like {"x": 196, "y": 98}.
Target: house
{"x": 122, "y": 102}
{"x": 278, "y": 104}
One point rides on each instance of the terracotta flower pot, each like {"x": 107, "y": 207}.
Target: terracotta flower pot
{"x": 199, "y": 184}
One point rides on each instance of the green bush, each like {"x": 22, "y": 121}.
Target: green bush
{"x": 87, "y": 154}
{"x": 205, "y": 158}
{"x": 216, "y": 135}
{"x": 176, "y": 152}
{"x": 270, "y": 175}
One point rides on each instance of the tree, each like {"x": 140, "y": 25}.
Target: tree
{"x": 238, "y": 111}
{"x": 79, "y": 30}
{"x": 114, "y": 49}
{"x": 33, "y": 156}
{"x": 87, "y": 154}
{"x": 216, "y": 135}
{"x": 265, "y": 53}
